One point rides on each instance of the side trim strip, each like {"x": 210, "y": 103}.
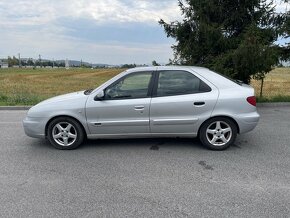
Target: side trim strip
{"x": 121, "y": 123}
{"x": 174, "y": 121}
{"x": 141, "y": 135}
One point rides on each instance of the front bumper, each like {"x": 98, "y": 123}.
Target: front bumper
{"x": 34, "y": 126}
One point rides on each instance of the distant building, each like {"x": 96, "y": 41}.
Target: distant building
{"x": 3, "y": 64}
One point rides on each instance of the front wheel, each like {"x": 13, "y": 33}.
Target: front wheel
{"x": 218, "y": 133}
{"x": 65, "y": 133}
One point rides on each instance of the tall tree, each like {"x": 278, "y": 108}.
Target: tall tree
{"x": 230, "y": 36}
{"x": 12, "y": 61}
{"x": 154, "y": 63}
{"x": 286, "y": 52}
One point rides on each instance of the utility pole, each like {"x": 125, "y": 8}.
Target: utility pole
{"x": 40, "y": 64}
{"x": 66, "y": 64}
{"x": 53, "y": 63}
{"x": 19, "y": 61}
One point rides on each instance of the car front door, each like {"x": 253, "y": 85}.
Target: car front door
{"x": 124, "y": 109}
{"x": 181, "y": 102}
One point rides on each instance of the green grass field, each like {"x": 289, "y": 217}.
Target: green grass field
{"x": 276, "y": 86}
{"x": 29, "y": 86}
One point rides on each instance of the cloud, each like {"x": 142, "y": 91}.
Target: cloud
{"x": 134, "y": 32}
{"x": 32, "y": 43}
{"x": 109, "y": 31}
{"x": 281, "y": 7}
{"x": 39, "y": 12}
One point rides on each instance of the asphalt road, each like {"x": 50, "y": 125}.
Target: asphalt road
{"x": 147, "y": 177}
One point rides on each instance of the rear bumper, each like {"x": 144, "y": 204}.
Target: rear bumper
{"x": 247, "y": 122}
{"x": 34, "y": 127}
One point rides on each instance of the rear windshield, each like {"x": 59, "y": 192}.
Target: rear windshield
{"x": 239, "y": 82}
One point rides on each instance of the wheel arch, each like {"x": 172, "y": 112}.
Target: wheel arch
{"x": 58, "y": 116}
{"x": 222, "y": 116}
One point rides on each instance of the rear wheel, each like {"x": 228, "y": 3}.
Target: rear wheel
{"x": 218, "y": 133}
{"x": 65, "y": 133}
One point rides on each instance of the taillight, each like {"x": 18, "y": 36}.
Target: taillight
{"x": 252, "y": 100}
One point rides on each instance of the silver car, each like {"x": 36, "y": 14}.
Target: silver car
{"x": 167, "y": 101}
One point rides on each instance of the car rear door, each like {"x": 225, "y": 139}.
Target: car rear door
{"x": 181, "y": 102}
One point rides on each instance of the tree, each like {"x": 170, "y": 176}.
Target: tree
{"x": 30, "y": 62}
{"x": 154, "y": 63}
{"x": 128, "y": 66}
{"x": 229, "y": 36}
{"x": 286, "y": 50}
{"x": 12, "y": 61}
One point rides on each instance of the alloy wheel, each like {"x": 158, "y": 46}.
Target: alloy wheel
{"x": 64, "y": 134}
{"x": 219, "y": 133}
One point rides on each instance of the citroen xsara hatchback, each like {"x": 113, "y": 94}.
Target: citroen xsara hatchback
{"x": 169, "y": 101}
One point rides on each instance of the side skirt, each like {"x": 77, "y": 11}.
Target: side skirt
{"x": 145, "y": 135}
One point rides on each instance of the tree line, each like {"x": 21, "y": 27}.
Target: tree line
{"x": 13, "y": 61}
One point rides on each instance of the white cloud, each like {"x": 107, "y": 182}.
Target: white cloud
{"x": 19, "y": 12}
{"x": 39, "y": 12}
{"x": 282, "y": 7}
{"x": 33, "y": 27}
{"x": 138, "y": 11}
{"x": 50, "y": 45}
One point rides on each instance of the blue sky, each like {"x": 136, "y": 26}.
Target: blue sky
{"x": 98, "y": 31}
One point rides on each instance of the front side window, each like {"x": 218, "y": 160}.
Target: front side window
{"x": 134, "y": 85}
{"x": 179, "y": 83}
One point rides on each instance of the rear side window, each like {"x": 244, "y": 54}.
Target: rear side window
{"x": 179, "y": 83}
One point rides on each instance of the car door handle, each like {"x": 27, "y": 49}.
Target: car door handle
{"x": 140, "y": 107}
{"x": 199, "y": 103}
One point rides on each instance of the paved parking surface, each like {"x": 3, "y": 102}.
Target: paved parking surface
{"x": 147, "y": 177}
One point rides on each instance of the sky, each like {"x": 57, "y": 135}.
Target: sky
{"x": 96, "y": 31}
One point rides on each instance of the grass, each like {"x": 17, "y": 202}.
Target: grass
{"x": 277, "y": 98}
{"x": 276, "y": 86}
{"x": 29, "y": 86}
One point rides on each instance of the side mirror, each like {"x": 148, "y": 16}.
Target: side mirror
{"x": 100, "y": 96}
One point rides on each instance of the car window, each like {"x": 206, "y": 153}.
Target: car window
{"x": 134, "y": 85}
{"x": 179, "y": 83}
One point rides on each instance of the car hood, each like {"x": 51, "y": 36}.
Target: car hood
{"x": 65, "y": 97}
{"x": 65, "y": 104}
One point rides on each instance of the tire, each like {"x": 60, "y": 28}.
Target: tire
{"x": 218, "y": 133}
{"x": 65, "y": 133}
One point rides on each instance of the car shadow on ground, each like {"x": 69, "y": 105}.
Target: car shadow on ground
{"x": 153, "y": 144}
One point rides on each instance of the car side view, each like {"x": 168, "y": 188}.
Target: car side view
{"x": 163, "y": 101}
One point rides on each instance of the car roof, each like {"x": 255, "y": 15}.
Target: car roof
{"x": 170, "y": 67}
